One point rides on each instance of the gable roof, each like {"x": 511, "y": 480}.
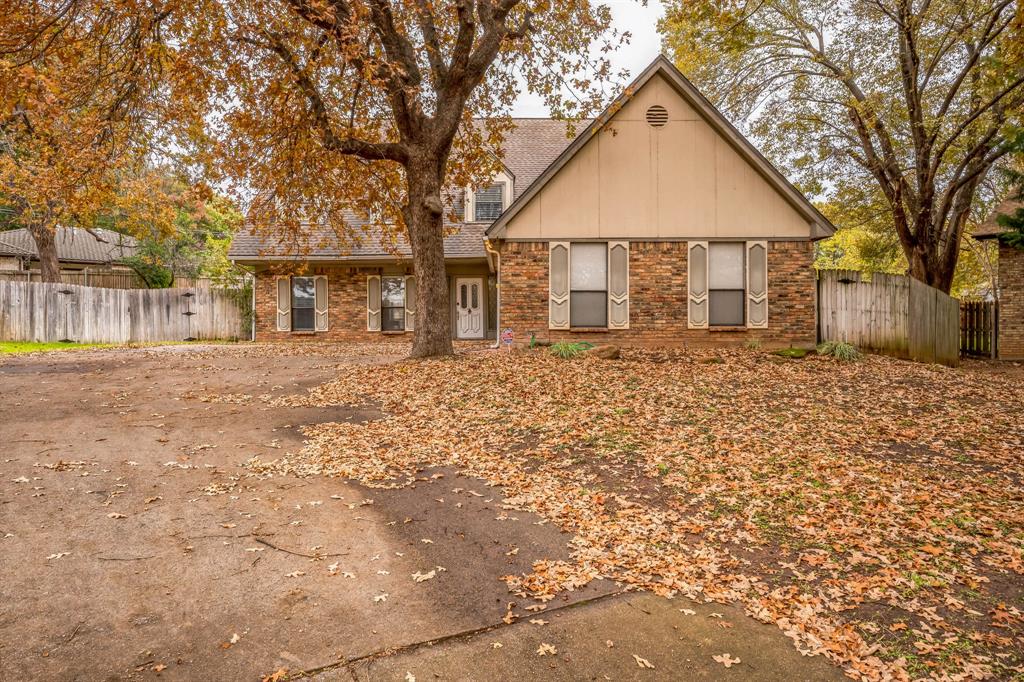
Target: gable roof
{"x": 991, "y": 229}
{"x": 820, "y": 225}
{"x": 74, "y": 245}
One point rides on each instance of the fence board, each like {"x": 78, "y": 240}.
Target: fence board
{"x": 36, "y": 311}
{"x": 889, "y": 314}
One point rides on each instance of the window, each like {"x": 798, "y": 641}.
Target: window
{"x": 392, "y": 301}
{"x": 303, "y": 303}
{"x": 588, "y": 285}
{"x": 488, "y": 203}
{"x": 726, "y": 289}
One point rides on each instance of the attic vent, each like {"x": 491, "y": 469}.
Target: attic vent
{"x": 657, "y": 116}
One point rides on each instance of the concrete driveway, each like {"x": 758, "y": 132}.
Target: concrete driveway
{"x": 135, "y": 545}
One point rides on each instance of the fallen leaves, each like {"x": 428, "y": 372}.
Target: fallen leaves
{"x": 380, "y": 598}
{"x": 726, "y": 659}
{"x": 686, "y": 477}
{"x": 546, "y": 650}
{"x": 643, "y": 662}
{"x": 421, "y": 577}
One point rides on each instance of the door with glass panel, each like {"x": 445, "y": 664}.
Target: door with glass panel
{"x": 469, "y": 307}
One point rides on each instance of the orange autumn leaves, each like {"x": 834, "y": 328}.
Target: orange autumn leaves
{"x": 867, "y": 509}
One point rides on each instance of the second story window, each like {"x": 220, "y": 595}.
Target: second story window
{"x": 489, "y": 202}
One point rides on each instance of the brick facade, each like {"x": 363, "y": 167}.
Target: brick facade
{"x": 658, "y": 297}
{"x": 346, "y": 302}
{"x": 1011, "y": 303}
{"x": 346, "y": 307}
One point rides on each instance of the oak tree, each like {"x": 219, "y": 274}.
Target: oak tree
{"x": 358, "y": 118}
{"x": 84, "y": 85}
{"x": 920, "y": 98}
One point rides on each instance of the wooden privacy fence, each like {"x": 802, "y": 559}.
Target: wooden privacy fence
{"x": 889, "y": 314}
{"x": 111, "y": 279}
{"x": 34, "y": 311}
{"x": 979, "y": 328}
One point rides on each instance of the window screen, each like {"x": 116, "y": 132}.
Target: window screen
{"x": 726, "y": 289}
{"x": 303, "y": 301}
{"x": 489, "y": 202}
{"x": 392, "y": 303}
{"x": 588, "y": 285}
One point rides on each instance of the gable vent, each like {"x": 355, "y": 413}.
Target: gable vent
{"x": 657, "y": 116}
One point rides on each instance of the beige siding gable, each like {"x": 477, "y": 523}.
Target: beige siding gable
{"x": 634, "y": 181}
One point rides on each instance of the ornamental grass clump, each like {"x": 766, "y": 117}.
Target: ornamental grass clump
{"x": 840, "y": 350}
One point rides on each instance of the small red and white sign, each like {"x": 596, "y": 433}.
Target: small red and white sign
{"x": 507, "y": 336}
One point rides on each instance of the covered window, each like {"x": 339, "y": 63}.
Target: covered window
{"x": 588, "y": 285}
{"x": 303, "y": 304}
{"x": 489, "y": 202}
{"x": 392, "y": 301}
{"x": 726, "y": 287}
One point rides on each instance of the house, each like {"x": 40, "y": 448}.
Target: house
{"x": 658, "y": 223}
{"x": 77, "y": 249}
{"x": 1009, "y": 285}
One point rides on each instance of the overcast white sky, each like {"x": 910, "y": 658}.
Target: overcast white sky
{"x": 628, "y": 15}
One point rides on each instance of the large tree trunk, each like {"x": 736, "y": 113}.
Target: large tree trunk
{"x": 424, "y": 219}
{"x": 46, "y": 248}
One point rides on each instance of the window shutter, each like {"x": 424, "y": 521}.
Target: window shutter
{"x": 558, "y": 285}
{"x": 757, "y": 284}
{"x": 410, "y": 303}
{"x": 373, "y": 303}
{"x": 697, "y": 285}
{"x": 618, "y": 285}
{"x": 320, "y": 303}
{"x": 284, "y": 304}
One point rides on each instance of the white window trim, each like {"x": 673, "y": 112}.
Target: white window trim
{"x": 501, "y": 178}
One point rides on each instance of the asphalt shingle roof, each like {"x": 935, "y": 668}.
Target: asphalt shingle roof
{"x": 990, "y": 228}
{"x": 74, "y": 245}
{"x": 528, "y": 149}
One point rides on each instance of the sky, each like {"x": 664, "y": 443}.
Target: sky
{"x": 627, "y": 15}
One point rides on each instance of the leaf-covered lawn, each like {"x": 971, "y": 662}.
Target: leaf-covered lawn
{"x": 874, "y": 510}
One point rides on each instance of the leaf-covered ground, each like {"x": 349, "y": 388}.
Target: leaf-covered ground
{"x": 874, "y": 510}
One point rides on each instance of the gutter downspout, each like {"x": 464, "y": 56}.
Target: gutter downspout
{"x": 497, "y": 287}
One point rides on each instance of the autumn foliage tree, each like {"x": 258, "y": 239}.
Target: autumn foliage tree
{"x": 327, "y": 109}
{"x": 84, "y": 88}
{"x": 920, "y": 98}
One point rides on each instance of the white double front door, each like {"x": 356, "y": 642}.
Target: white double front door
{"x": 469, "y": 307}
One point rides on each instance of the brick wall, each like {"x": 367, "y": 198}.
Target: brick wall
{"x": 658, "y": 297}
{"x": 346, "y": 301}
{"x": 1011, "y": 303}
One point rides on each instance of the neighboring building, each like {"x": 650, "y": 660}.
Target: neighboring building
{"x": 1009, "y": 287}
{"x": 658, "y": 223}
{"x": 77, "y": 249}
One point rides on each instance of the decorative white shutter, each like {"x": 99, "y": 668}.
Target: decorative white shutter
{"x": 618, "y": 285}
{"x": 373, "y": 303}
{"x": 697, "y": 285}
{"x": 757, "y": 285}
{"x": 558, "y": 285}
{"x": 410, "y": 303}
{"x": 284, "y": 304}
{"x": 320, "y": 303}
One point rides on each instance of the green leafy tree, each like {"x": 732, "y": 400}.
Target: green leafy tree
{"x": 1014, "y": 221}
{"x": 918, "y": 99}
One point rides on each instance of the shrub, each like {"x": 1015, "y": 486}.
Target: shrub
{"x": 840, "y": 350}
{"x": 569, "y": 349}
{"x": 753, "y": 344}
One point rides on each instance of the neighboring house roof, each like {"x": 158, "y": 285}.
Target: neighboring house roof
{"x": 991, "y": 229}
{"x": 74, "y": 245}
{"x": 529, "y": 148}
{"x": 821, "y": 226}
